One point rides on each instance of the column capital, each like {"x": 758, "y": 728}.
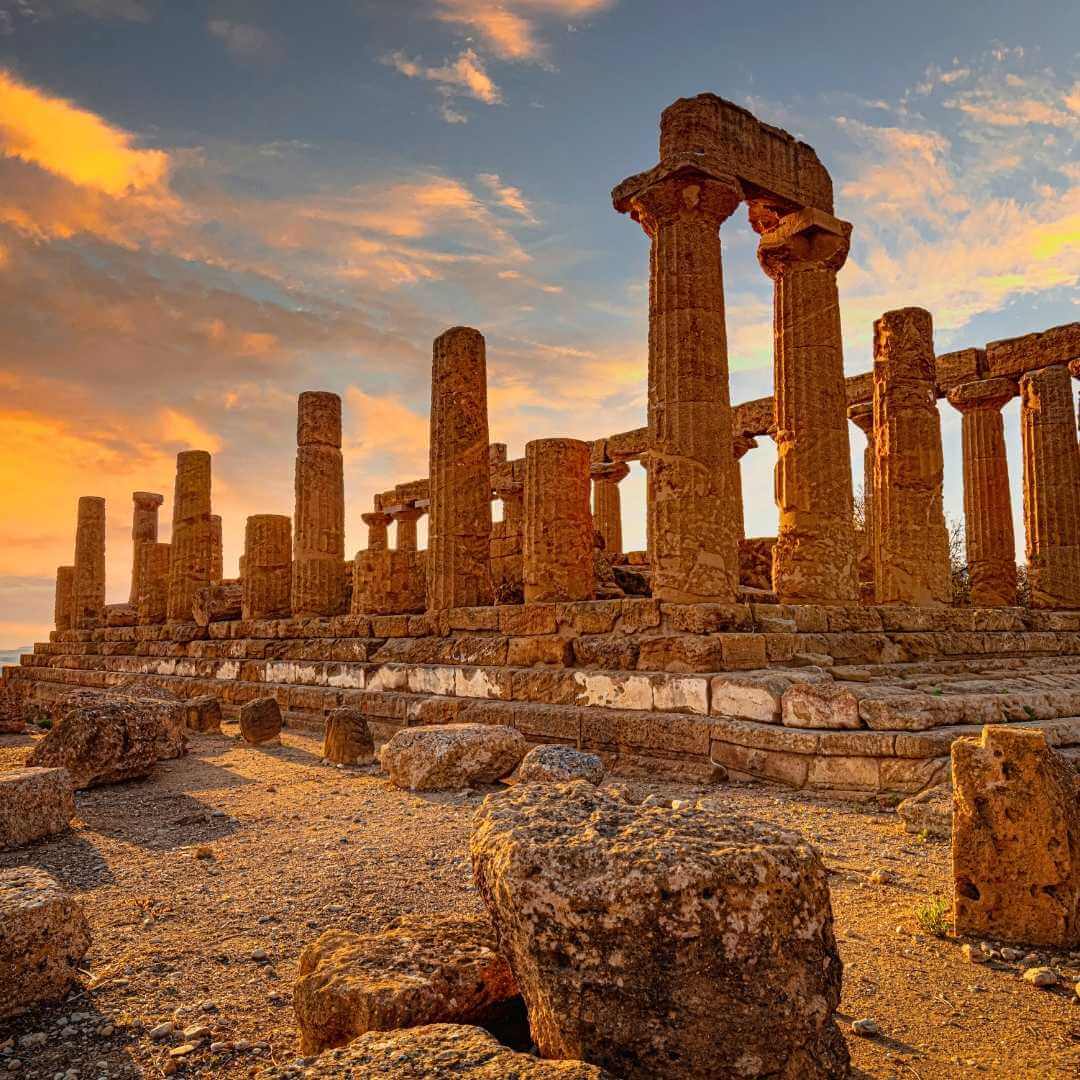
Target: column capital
{"x": 403, "y": 513}
{"x": 375, "y": 518}
{"x": 1074, "y": 368}
{"x": 982, "y": 394}
{"x": 612, "y": 471}
{"x": 805, "y": 239}
{"x": 862, "y": 416}
{"x": 667, "y": 193}
{"x": 742, "y": 444}
{"x": 147, "y": 500}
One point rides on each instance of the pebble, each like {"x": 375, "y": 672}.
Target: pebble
{"x": 1041, "y": 976}
{"x": 162, "y": 1031}
{"x": 1012, "y": 956}
{"x": 196, "y": 1033}
{"x": 866, "y": 1027}
{"x": 220, "y": 1047}
{"x": 37, "y": 1038}
{"x": 882, "y": 876}
{"x": 259, "y": 955}
{"x": 105, "y": 1031}
{"x": 973, "y": 954}
{"x": 182, "y": 1050}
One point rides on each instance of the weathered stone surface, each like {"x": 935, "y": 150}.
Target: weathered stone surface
{"x": 318, "y": 566}
{"x": 814, "y": 560}
{"x": 12, "y": 712}
{"x": 34, "y": 803}
{"x": 153, "y": 605}
{"x": 190, "y": 556}
{"x": 100, "y": 739}
{"x": 911, "y": 545}
{"x": 1014, "y": 356}
{"x": 420, "y": 970}
{"x": 216, "y": 548}
{"x": 508, "y": 542}
{"x": 862, "y": 416}
{"x": 221, "y": 601}
{"x": 558, "y": 549}
{"x": 65, "y": 584}
{"x": 607, "y": 503}
{"x": 88, "y": 587}
{"x": 555, "y": 764}
{"x": 267, "y": 577}
{"x": 43, "y": 937}
{"x": 389, "y": 582}
{"x": 1016, "y": 839}
{"x": 459, "y": 525}
{"x": 144, "y": 530}
{"x": 120, "y": 615}
{"x": 756, "y": 562}
{"x": 260, "y": 721}
{"x": 929, "y": 812}
{"x": 436, "y": 1052}
{"x": 203, "y": 714}
{"x": 451, "y": 756}
{"x": 1051, "y": 483}
{"x": 348, "y": 740}
{"x": 645, "y": 938}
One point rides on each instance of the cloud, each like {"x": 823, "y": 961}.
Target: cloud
{"x": 464, "y": 77}
{"x": 508, "y": 196}
{"x": 246, "y": 41}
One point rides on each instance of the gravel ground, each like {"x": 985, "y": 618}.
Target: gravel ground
{"x": 203, "y": 884}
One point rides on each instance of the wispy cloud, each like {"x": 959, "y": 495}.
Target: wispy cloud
{"x": 466, "y": 76}
{"x": 508, "y": 196}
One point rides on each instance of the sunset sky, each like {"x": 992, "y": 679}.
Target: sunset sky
{"x": 206, "y": 208}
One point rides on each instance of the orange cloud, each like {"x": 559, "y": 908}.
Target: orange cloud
{"x": 466, "y": 76}
{"x": 508, "y": 196}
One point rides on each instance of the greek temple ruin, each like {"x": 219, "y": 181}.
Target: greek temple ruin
{"x": 830, "y": 657}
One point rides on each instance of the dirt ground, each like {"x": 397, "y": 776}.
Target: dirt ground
{"x": 203, "y": 885}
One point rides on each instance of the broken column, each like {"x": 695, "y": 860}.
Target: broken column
{"x": 459, "y": 526}
{"x": 153, "y": 602}
{"x": 318, "y": 568}
{"x": 267, "y": 580}
{"x": 988, "y": 525}
{"x": 1015, "y": 839}
{"x": 65, "y": 584}
{"x": 508, "y": 536}
{"x": 406, "y": 517}
{"x": 217, "y": 566}
{"x": 144, "y": 530}
{"x": 1051, "y": 487}
{"x": 911, "y": 542}
{"x": 377, "y": 523}
{"x": 607, "y": 505}
{"x": 681, "y": 204}
{"x": 192, "y": 533}
{"x": 558, "y": 555}
{"x": 814, "y": 560}
{"x": 88, "y": 586}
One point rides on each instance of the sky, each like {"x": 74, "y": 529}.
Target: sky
{"x": 206, "y": 208}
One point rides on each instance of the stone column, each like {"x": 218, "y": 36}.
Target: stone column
{"x": 192, "y": 533}
{"x": 406, "y": 518}
{"x": 1074, "y": 371}
{"x": 988, "y": 526}
{"x": 741, "y": 446}
{"x": 1051, "y": 487}
{"x": 459, "y": 526}
{"x": 318, "y": 568}
{"x": 911, "y": 542}
{"x": 267, "y": 579}
{"x": 144, "y": 530}
{"x": 88, "y": 586}
{"x": 607, "y": 505}
{"x": 377, "y": 523}
{"x": 153, "y": 602}
{"x": 217, "y": 566}
{"x": 862, "y": 416}
{"x": 814, "y": 560}
{"x": 692, "y": 520}
{"x": 65, "y": 584}
{"x": 558, "y": 555}
{"x": 507, "y": 542}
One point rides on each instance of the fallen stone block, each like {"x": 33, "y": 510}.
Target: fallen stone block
{"x": 218, "y": 602}
{"x": 260, "y": 721}
{"x": 203, "y": 714}
{"x": 43, "y": 937}
{"x": 435, "y": 1052}
{"x": 420, "y": 970}
{"x": 449, "y": 757}
{"x": 348, "y": 739}
{"x": 1016, "y": 839}
{"x": 662, "y": 943}
{"x": 929, "y": 812}
{"x": 34, "y": 803}
{"x": 554, "y": 764}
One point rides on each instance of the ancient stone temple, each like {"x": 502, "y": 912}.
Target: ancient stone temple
{"x": 814, "y": 657}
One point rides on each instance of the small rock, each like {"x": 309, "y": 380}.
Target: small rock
{"x": 973, "y": 954}
{"x": 37, "y": 1038}
{"x": 162, "y": 1031}
{"x": 182, "y": 1050}
{"x": 882, "y": 877}
{"x": 867, "y": 1028}
{"x": 1012, "y": 956}
{"x": 196, "y": 1033}
{"x": 1042, "y": 977}
{"x": 220, "y": 1047}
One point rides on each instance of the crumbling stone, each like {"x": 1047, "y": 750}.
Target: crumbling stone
{"x": 267, "y": 578}
{"x": 220, "y": 601}
{"x": 260, "y": 721}
{"x": 448, "y": 757}
{"x": 348, "y": 740}
{"x": 554, "y": 764}
{"x": 930, "y": 812}
{"x": 203, "y": 714}
{"x": 34, "y": 803}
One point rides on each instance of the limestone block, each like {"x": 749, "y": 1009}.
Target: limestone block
{"x": 389, "y": 582}
{"x": 260, "y": 721}
{"x": 420, "y": 970}
{"x": 203, "y": 714}
{"x": 34, "y": 803}
{"x": 929, "y": 811}
{"x": 348, "y": 738}
{"x": 553, "y": 764}
{"x": 1014, "y": 356}
{"x": 120, "y": 614}
{"x": 643, "y": 898}
{"x": 220, "y": 601}
{"x": 434, "y": 1051}
{"x": 757, "y": 695}
{"x": 820, "y": 705}
{"x": 1016, "y": 839}
{"x": 43, "y": 937}
{"x": 451, "y": 756}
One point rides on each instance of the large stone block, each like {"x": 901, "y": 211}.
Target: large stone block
{"x": 43, "y": 937}
{"x": 698, "y": 947}
{"x": 260, "y": 721}
{"x": 34, "y": 803}
{"x": 348, "y": 738}
{"x": 452, "y": 756}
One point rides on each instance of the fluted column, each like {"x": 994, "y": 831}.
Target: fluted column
{"x": 1051, "y": 487}
{"x": 558, "y": 553}
{"x": 692, "y": 520}
{"x": 988, "y": 527}
{"x": 318, "y": 566}
{"x": 377, "y": 524}
{"x": 153, "y": 602}
{"x": 144, "y": 530}
{"x": 190, "y": 555}
{"x": 607, "y": 504}
{"x": 88, "y": 586}
{"x": 911, "y": 542}
{"x": 267, "y": 578}
{"x": 405, "y": 518}
{"x": 741, "y": 446}
{"x": 459, "y": 525}
{"x": 65, "y": 584}
{"x": 814, "y": 560}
